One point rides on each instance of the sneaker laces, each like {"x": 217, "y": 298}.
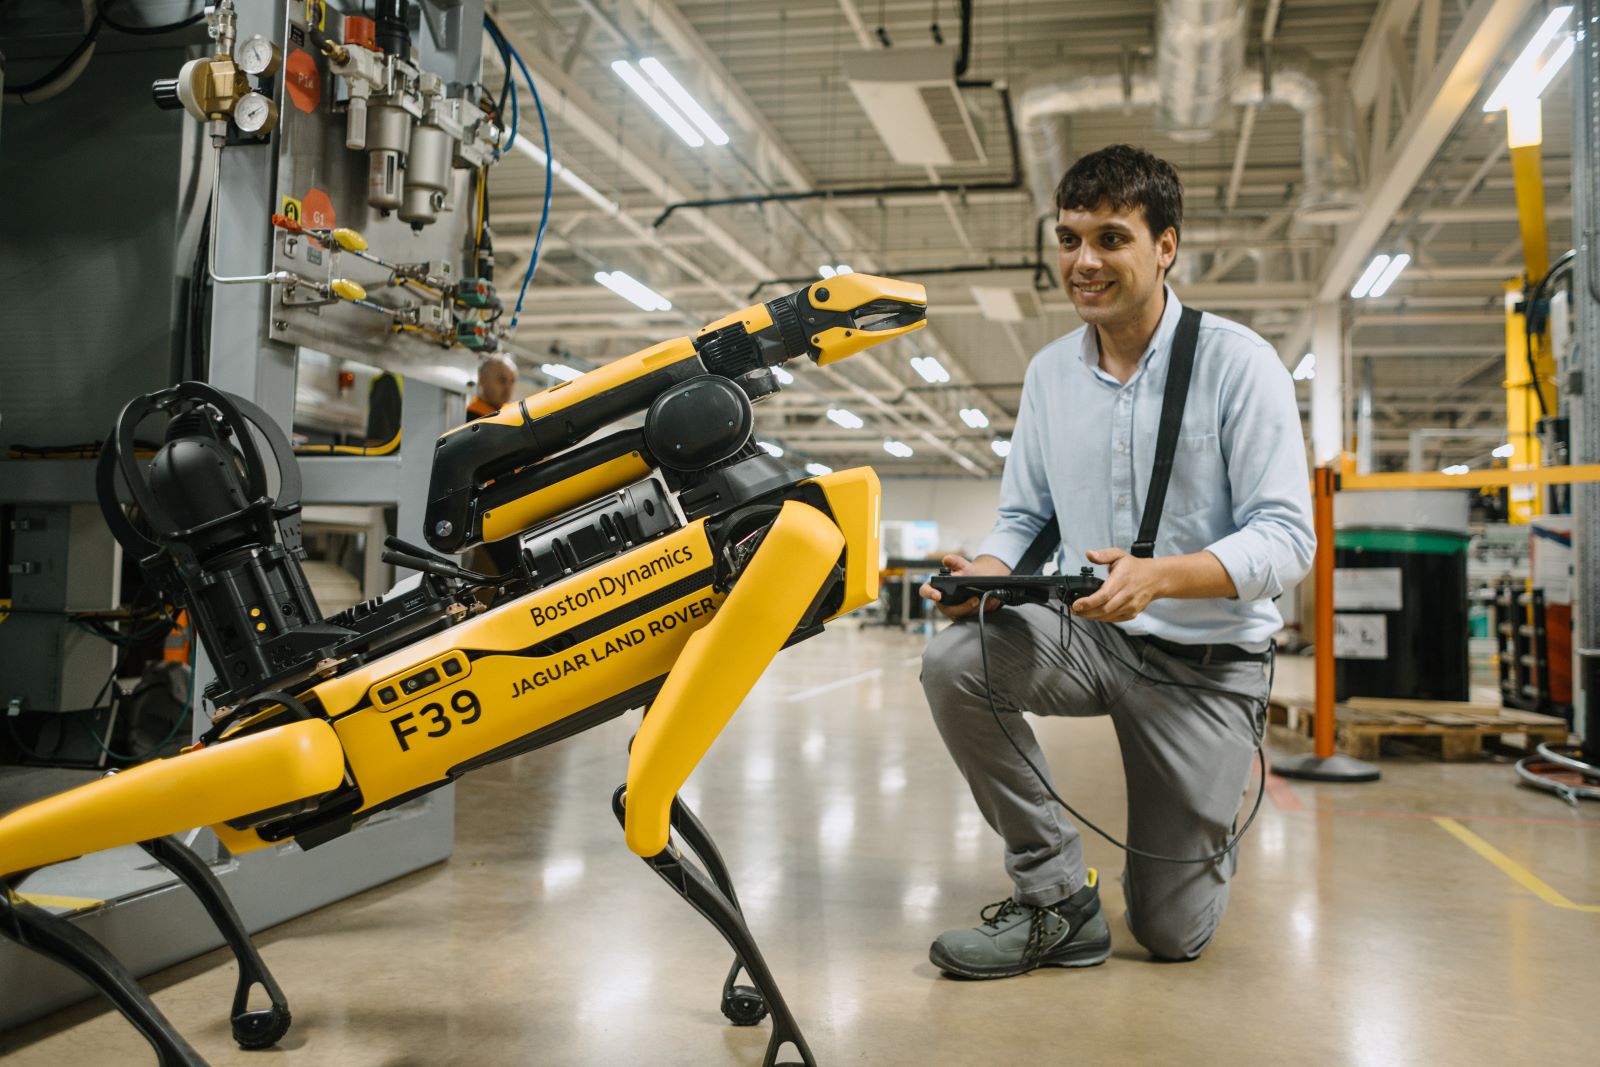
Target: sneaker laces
{"x": 998, "y": 912}
{"x": 1038, "y": 920}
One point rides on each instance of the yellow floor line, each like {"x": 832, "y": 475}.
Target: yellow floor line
{"x": 1514, "y": 870}
{"x": 49, "y": 900}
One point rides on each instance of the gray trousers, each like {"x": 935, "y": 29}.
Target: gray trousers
{"x": 1186, "y": 754}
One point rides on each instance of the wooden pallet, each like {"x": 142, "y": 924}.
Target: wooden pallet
{"x": 1462, "y": 727}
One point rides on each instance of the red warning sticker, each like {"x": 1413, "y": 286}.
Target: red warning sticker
{"x": 303, "y": 81}
{"x": 316, "y": 211}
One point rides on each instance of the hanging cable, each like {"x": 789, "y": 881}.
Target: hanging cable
{"x": 549, "y": 170}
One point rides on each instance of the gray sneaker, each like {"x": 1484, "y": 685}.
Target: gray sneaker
{"x": 1015, "y": 938}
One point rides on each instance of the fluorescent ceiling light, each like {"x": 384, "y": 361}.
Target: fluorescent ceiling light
{"x": 997, "y": 303}
{"x": 1001, "y": 446}
{"x": 577, "y": 184}
{"x": 1456, "y": 468}
{"x": 1390, "y": 273}
{"x": 898, "y": 448}
{"x": 817, "y": 470}
{"x": 844, "y": 268}
{"x": 1505, "y": 451}
{"x": 772, "y": 449}
{"x": 930, "y": 369}
{"x": 826, "y": 270}
{"x": 783, "y": 376}
{"x": 974, "y": 418}
{"x": 658, "y": 103}
{"x": 848, "y": 419}
{"x": 1306, "y": 369}
{"x": 561, "y": 371}
{"x": 680, "y": 96}
{"x": 1527, "y": 78}
{"x": 634, "y": 291}
{"x": 1369, "y": 277}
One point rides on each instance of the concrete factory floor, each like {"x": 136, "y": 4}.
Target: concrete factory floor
{"x": 1441, "y": 915}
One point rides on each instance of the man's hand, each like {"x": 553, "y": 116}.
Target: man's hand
{"x": 1131, "y": 583}
{"x": 960, "y": 565}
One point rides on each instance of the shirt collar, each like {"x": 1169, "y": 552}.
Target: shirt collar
{"x": 1160, "y": 341}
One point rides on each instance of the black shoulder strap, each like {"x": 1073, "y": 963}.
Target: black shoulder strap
{"x": 1179, "y": 371}
{"x": 1032, "y": 561}
{"x": 1172, "y": 404}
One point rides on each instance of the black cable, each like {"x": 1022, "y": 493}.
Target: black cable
{"x": 101, "y": 19}
{"x": 102, "y": 7}
{"x": 1066, "y": 617}
{"x": 44, "y": 81}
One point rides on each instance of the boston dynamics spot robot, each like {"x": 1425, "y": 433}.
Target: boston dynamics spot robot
{"x": 661, "y": 567}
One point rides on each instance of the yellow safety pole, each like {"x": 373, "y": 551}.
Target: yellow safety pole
{"x": 1530, "y": 376}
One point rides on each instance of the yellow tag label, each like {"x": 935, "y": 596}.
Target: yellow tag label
{"x": 317, "y": 14}
{"x": 291, "y": 209}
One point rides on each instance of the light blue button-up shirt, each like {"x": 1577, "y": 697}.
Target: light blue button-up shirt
{"x": 1083, "y": 449}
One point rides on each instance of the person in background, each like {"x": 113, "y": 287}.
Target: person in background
{"x": 497, "y": 377}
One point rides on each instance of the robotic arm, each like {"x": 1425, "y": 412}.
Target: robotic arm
{"x": 825, "y": 322}
{"x": 661, "y": 567}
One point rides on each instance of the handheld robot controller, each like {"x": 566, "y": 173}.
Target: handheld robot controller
{"x": 1014, "y": 588}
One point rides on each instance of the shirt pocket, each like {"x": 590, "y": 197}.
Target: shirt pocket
{"x": 1199, "y": 481}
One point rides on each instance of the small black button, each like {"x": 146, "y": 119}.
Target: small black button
{"x": 387, "y": 694}
{"x": 452, "y": 668}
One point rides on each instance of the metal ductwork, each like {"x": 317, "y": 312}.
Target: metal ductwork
{"x": 1331, "y": 188}
{"x": 1199, "y": 54}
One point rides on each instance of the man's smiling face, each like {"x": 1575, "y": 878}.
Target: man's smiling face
{"x": 1111, "y": 265}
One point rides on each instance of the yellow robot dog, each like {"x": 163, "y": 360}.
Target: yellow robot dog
{"x": 661, "y": 567}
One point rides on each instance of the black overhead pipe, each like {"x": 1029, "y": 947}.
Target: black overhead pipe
{"x": 1037, "y": 266}
{"x": 883, "y": 192}
{"x": 890, "y": 191}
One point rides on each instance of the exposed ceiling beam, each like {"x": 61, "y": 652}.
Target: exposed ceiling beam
{"x": 1485, "y": 30}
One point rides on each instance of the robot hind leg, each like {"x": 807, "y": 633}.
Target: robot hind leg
{"x": 56, "y": 938}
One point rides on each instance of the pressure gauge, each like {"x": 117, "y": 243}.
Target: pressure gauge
{"x": 255, "y": 114}
{"x": 258, "y": 56}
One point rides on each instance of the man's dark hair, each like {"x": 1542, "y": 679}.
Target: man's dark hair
{"x": 1125, "y": 177}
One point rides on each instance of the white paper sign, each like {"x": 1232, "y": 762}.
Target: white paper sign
{"x": 1360, "y": 637}
{"x": 1367, "y": 588}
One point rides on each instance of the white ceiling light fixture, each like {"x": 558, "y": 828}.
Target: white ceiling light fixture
{"x": 817, "y": 470}
{"x": 783, "y": 376}
{"x": 1306, "y": 369}
{"x": 685, "y": 103}
{"x": 844, "y": 268}
{"x": 1505, "y": 451}
{"x": 974, "y": 418}
{"x": 772, "y": 449}
{"x": 1455, "y": 468}
{"x": 560, "y": 371}
{"x": 1390, "y": 273}
{"x": 831, "y": 270}
{"x": 998, "y": 304}
{"x": 930, "y": 369}
{"x": 633, "y": 291}
{"x": 577, "y": 184}
{"x": 898, "y": 448}
{"x": 1369, "y": 277}
{"x": 848, "y": 419}
{"x": 1001, "y": 446}
{"x": 1528, "y": 77}
{"x": 658, "y": 103}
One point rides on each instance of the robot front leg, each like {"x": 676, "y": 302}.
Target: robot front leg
{"x": 55, "y": 938}
{"x": 263, "y": 1027}
{"x": 711, "y": 894}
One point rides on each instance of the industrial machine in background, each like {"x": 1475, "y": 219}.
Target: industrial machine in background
{"x": 382, "y": 173}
